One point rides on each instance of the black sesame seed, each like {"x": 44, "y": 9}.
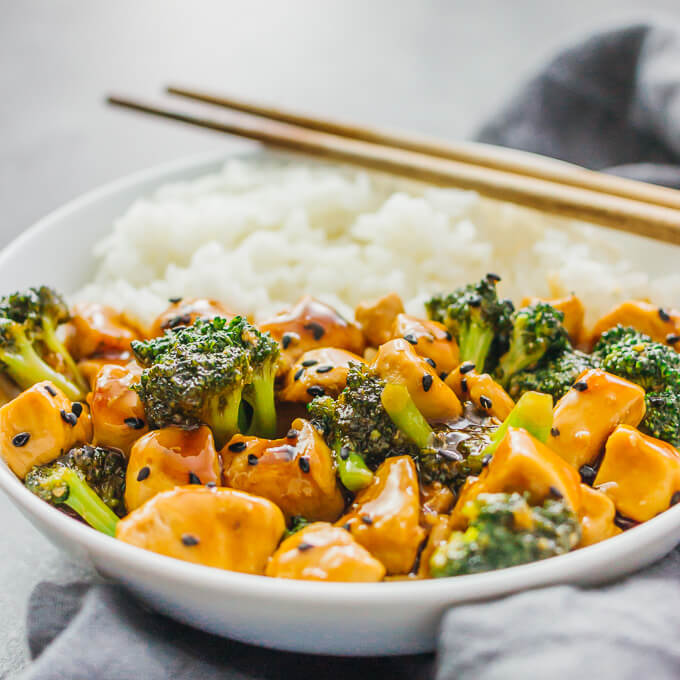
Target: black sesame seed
{"x": 432, "y": 362}
{"x": 675, "y": 498}
{"x": 309, "y": 362}
{"x": 237, "y": 447}
{"x": 474, "y": 300}
{"x": 656, "y": 399}
{"x": 286, "y": 339}
{"x": 194, "y": 478}
{"x": 304, "y": 546}
{"x": 298, "y": 374}
{"x": 672, "y": 338}
{"x": 556, "y": 493}
{"x": 466, "y": 367}
{"x": 409, "y": 337}
{"x": 69, "y": 418}
{"x": 143, "y": 473}
{"x": 324, "y": 369}
{"x": 366, "y": 519}
{"x": 580, "y": 386}
{"x": 134, "y": 423}
{"x": 50, "y": 390}
{"x": 303, "y": 462}
{"x": 77, "y": 409}
{"x": 344, "y": 453}
{"x": 21, "y": 439}
{"x": 588, "y": 474}
{"x": 317, "y": 329}
{"x": 253, "y": 459}
{"x": 211, "y": 485}
{"x": 292, "y": 434}
{"x": 554, "y": 432}
{"x": 427, "y": 382}
{"x": 181, "y": 320}
{"x": 485, "y": 402}
{"x": 663, "y": 314}
{"x": 174, "y": 301}
{"x": 494, "y": 278}
{"x": 464, "y": 385}
{"x": 443, "y": 375}
{"x": 189, "y": 540}
{"x": 316, "y": 391}
{"x": 449, "y": 337}
{"x": 486, "y": 460}
{"x": 347, "y": 526}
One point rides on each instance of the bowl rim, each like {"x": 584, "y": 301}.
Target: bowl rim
{"x": 429, "y": 592}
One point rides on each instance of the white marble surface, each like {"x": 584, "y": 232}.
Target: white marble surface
{"x": 437, "y": 66}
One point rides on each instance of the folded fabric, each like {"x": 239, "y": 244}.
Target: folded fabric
{"x": 613, "y": 102}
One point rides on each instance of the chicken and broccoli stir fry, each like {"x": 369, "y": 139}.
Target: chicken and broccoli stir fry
{"x": 311, "y": 447}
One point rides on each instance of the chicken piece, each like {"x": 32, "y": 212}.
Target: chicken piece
{"x": 482, "y": 390}
{"x": 317, "y": 372}
{"x": 588, "y": 413}
{"x": 397, "y": 362}
{"x": 596, "y": 516}
{"x": 185, "y": 311}
{"x": 376, "y": 318}
{"x": 573, "y": 311}
{"x": 435, "y": 500}
{"x": 322, "y": 552}
{"x": 439, "y": 533}
{"x": 90, "y": 367}
{"x": 385, "y": 516}
{"x": 216, "y": 527}
{"x": 639, "y": 473}
{"x": 39, "y": 425}
{"x": 523, "y": 464}
{"x": 118, "y": 418}
{"x": 430, "y": 339}
{"x": 311, "y": 324}
{"x": 296, "y": 472}
{"x": 98, "y": 329}
{"x": 662, "y": 325}
{"x": 170, "y": 457}
{"x": 8, "y": 390}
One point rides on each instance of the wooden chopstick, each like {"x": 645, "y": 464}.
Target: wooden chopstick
{"x": 624, "y": 214}
{"x": 485, "y": 155}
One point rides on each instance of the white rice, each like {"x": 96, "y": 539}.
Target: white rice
{"x": 258, "y": 235}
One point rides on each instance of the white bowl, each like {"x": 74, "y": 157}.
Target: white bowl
{"x": 325, "y": 618}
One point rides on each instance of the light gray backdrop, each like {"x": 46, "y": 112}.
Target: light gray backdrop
{"x": 435, "y": 66}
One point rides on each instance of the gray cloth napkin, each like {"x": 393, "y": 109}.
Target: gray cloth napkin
{"x": 612, "y": 102}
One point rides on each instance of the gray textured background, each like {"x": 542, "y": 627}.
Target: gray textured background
{"x": 434, "y": 66}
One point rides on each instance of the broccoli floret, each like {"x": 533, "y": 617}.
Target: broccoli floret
{"x": 193, "y": 375}
{"x": 63, "y": 483}
{"x": 478, "y": 320}
{"x": 504, "y": 531}
{"x": 358, "y": 428}
{"x": 656, "y": 368}
{"x": 537, "y": 332}
{"x": 23, "y": 362}
{"x": 619, "y": 335}
{"x": 554, "y": 375}
{"x": 263, "y": 354}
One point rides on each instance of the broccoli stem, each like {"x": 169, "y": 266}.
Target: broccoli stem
{"x": 26, "y": 368}
{"x": 352, "y": 469}
{"x": 223, "y": 419}
{"x": 475, "y": 343}
{"x": 405, "y": 414}
{"x": 514, "y": 361}
{"x": 261, "y": 397}
{"x": 51, "y": 339}
{"x": 83, "y": 500}
{"x": 532, "y": 412}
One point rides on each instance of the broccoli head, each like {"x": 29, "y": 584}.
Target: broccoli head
{"x": 537, "y": 332}
{"x": 64, "y": 482}
{"x": 653, "y": 366}
{"x": 22, "y": 359}
{"x": 554, "y": 375}
{"x": 478, "y": 320}
{"x": 359, "y": 429}
{"x": 41, "y": 311}
{"x": 504, "y": 531}
{"x": 193, "y": 375}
